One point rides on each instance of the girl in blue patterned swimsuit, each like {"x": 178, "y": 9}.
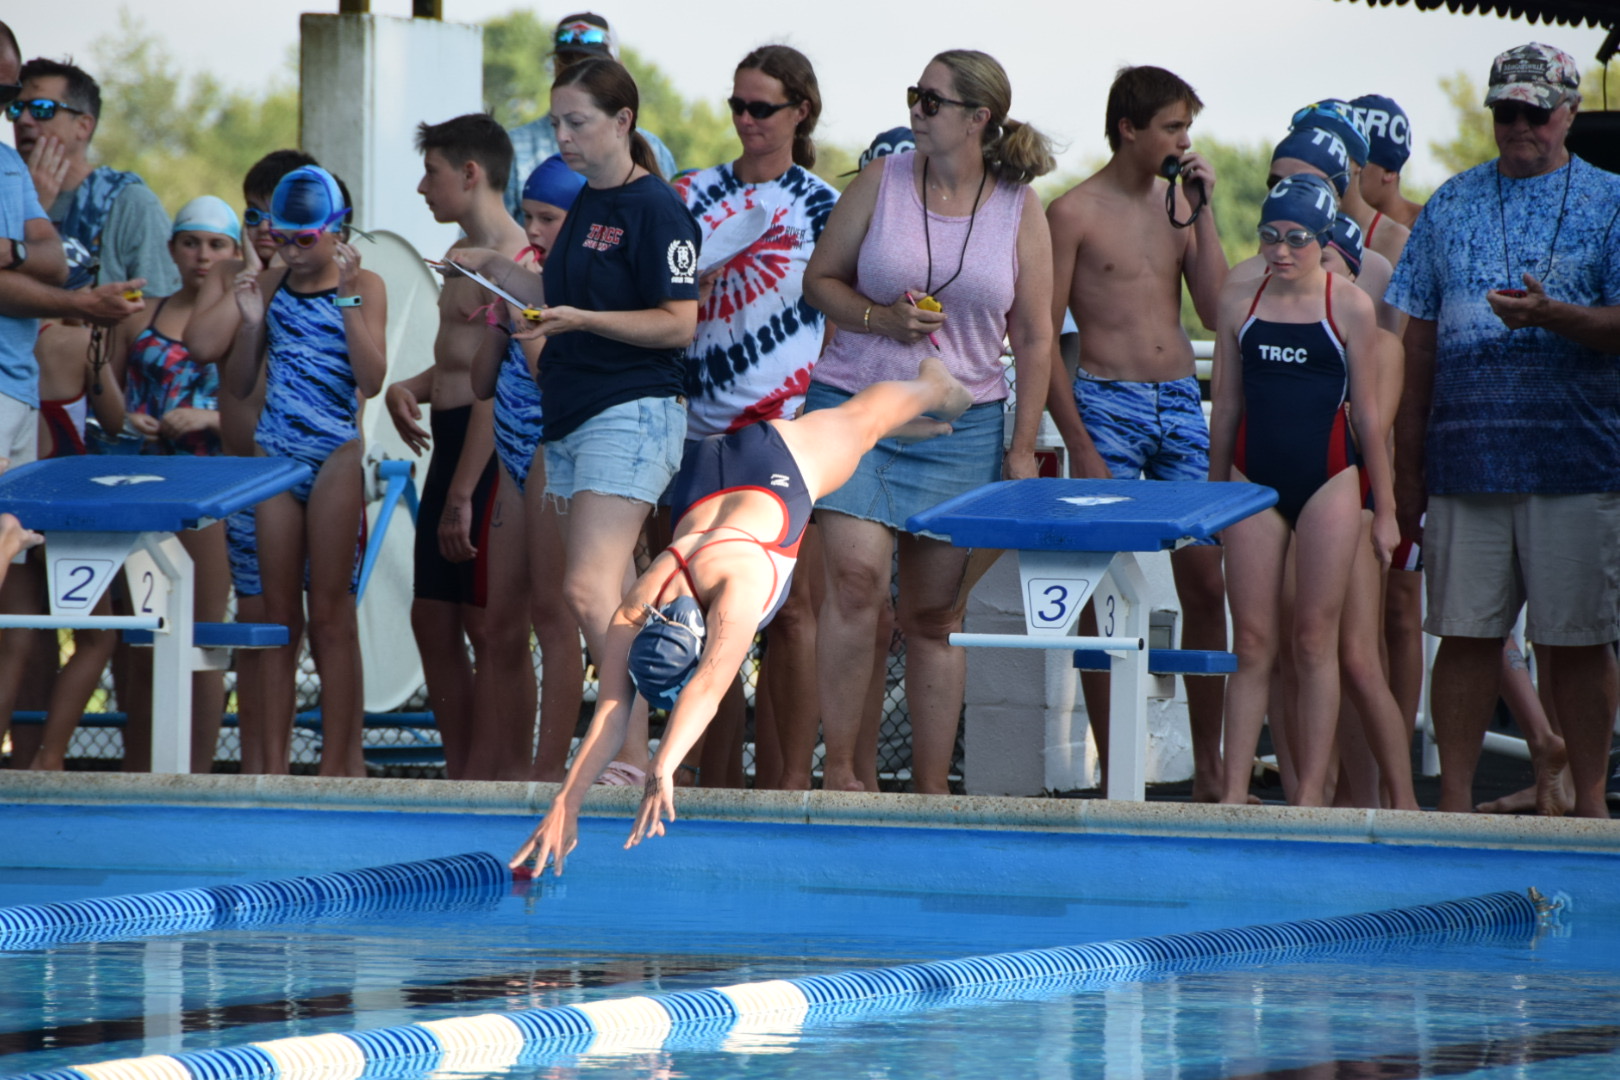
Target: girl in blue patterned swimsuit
{"x": 322, "y": 330}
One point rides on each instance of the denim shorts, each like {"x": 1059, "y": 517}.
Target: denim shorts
{"x": 898, "y": 479}
{"x": 631, "y": 450}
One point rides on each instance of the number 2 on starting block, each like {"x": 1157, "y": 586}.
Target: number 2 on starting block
{"x": 80, "y": 566}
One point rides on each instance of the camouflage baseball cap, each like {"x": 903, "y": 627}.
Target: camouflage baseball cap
{"x": 1534, "y": 74}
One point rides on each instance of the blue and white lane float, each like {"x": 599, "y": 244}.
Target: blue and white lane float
{"x": 497, "y": 1040}
{"x": 459, "y": 879}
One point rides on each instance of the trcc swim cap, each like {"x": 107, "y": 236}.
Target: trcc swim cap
{"x": 666, "y": 650}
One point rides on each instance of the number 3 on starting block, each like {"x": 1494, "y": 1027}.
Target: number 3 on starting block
{"x": 1057, "y": 585}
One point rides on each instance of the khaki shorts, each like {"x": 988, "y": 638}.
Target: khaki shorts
{"x": 19, "y": 432}
{"x": 1486, "y": 555}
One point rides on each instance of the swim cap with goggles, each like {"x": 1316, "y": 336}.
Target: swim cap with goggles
{"x": 553, "y": 182}
{"x": 308, "y": 198}
{"x": 1305, "y": 200}
{"x": 1321, "y": 150}
{"x": 666, "y": 650}
{"x": 1331, "y": 114}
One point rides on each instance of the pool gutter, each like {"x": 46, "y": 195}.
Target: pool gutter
{"x": 979, "y": 812}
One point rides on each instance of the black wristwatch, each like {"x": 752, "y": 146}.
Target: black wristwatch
{"x": 19, "y": 254}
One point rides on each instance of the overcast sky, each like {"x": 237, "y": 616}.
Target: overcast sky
{"x": 1252, "y": 61}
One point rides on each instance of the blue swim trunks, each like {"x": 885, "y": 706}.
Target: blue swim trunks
{"x": 1151, "y": 429}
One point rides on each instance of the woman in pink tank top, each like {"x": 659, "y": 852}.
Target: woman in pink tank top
{"x": 942, "y": 252}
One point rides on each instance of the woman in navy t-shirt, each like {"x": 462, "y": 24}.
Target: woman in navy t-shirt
{"x": 621, "y": 308}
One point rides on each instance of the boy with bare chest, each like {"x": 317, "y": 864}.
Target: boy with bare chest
{"x": 1120, "y": 253}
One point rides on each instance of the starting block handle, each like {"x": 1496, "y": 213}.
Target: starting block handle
{"x": 1048, "y": 641}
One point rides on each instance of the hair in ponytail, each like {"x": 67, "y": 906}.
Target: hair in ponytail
{"x": 793, "y": 70}
{"x": 612, "y": 88}
{"x": 1013, "y": 150}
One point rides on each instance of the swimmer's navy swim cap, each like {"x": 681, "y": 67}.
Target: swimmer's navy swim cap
{"x": 1331, "y": 114}
{"x": 1320, "y": 149}
{"x": 666, "y": 650}
{"x": 307, "y": 198}
{"x": 1304, "y": 199}
{"x": 553, "y": 182}
{"x": 1346, "y": 240}
{"x": 1389, "y": 132}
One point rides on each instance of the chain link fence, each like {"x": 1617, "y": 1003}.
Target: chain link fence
{"x": 409, "y": 749}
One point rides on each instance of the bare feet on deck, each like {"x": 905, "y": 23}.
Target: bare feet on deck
{"x": 1549, "y": 796}
{"x": 840, "y": 780}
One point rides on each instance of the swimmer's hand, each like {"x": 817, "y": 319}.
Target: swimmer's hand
{"x": 1386, "y": 537}
{"x": 553, "y": 839}
{"x": 347, "y": 258}
{"x": 406, "y": 413}
{"x": 657, "y": 802}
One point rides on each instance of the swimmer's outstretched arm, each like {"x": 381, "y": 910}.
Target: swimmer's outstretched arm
{"x": 557, "y": 832}
{"x": 730, "y": 635}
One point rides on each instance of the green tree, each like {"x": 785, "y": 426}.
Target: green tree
{"x": 185, "y": 135}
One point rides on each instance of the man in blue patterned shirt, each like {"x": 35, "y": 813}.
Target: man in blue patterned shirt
{"x": 1510, "y": 425}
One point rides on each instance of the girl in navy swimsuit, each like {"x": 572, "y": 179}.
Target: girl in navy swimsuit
{"x": 1288, "y": 357}
{"x": 685, "y": 626}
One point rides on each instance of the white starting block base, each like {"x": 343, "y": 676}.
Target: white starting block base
{"x": 1026, "y": 728}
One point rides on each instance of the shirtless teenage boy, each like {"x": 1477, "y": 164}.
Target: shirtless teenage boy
{"x": 465, "y": 165}
{"x": 1135, "y": 405}
{"x": 1389, "y": 144}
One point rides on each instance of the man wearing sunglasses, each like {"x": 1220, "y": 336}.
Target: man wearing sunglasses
{"x": 32, "y": 269}
{"x": 577, "y": 37}
{"x": 112, "y": 225}
{"x": 1510, "y": 424}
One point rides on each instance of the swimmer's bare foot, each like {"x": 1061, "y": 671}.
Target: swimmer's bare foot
{"x": 919, "y": 429}
{"x": 957, "y": 398}
{"x": 1549, "y": 796}
{"x": 836, "y": 779}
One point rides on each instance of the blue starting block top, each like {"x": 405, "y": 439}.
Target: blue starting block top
{"x": 110, "y": 493}
{"x": 1091, "y": 515}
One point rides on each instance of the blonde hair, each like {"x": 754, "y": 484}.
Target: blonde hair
{"x": 1014, "y": 150}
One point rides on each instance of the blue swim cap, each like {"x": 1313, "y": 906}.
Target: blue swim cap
{"x": 894, "y": 141}
{"x": 1331, "y": 114}
{"x": 1346, "y": 240}
{"x": 208, "y": 213}
{"x": 1304, "y": 199}
{"x": 1389, "y": 132}
{"x": 308, "y": 198}
{"x": 666, "y": 650}
{"x": 1320, "y": 149}
{"x": 552, "y": 181}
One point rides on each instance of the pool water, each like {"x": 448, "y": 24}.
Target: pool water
{"x": 716, "y": 904}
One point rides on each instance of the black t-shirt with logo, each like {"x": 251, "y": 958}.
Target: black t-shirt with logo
{"x": 627, "y": 248}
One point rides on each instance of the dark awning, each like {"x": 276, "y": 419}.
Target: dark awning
{"x": 1605, "y": 13}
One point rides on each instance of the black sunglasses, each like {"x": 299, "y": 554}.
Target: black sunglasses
{"x": 9, "y": 92}
{"x": 1507, "y": 113}
{"x": 759, "y": 110}
{"x": 41, "y": 108}
{"x": 932, "y": 100}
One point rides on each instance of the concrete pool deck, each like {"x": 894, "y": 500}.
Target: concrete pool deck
{"x": 1078, "y": 816}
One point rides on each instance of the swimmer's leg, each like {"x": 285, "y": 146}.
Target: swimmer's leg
{"x": 332, "y": 525}
{"x": 504, "y": 685}
{"x": 1254, "y": 551}
{"x": 827, "y": 444}
{"x": 280, "y": 526}
{"x": 556, "y": 631}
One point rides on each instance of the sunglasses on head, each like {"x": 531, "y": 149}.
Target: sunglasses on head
{"x": 306, "y": 238}
{"x": 1294, "y": 238}
{"x": 580, "y": 34}
{"x": 1507, "y": 113}
{"x": 41, "y": 109}
{"x": 759, "y": 110}
{"x": 931, "y": 100}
